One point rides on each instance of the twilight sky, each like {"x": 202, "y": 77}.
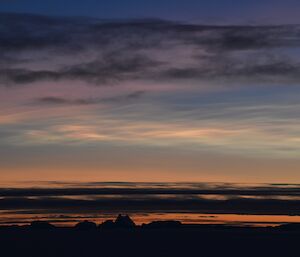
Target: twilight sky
{"x": 150, "y": 91}
{"x": 205, "y": 11}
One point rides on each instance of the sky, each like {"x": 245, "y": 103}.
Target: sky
{"x": 150, "y": 91}
{"x": 213, "y": 11}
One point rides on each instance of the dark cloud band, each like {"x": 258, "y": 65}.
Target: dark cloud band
{"x": 159, "y": 197}
{"x": 131, "y": 50}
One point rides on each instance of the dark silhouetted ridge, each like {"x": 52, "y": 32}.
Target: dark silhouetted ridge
{"x": 290, "y": 226}
{"x": 86, "y": 225}
{"x": 108, "y": 224}
{"x": 41, "y": 225}
{"x": 122, "y": 221}
{"x": 163, "y": 224}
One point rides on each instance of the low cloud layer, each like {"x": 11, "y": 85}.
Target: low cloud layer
{"x": 159, "y": 197}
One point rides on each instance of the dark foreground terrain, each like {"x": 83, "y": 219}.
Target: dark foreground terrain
{"x": 200, "y": 241}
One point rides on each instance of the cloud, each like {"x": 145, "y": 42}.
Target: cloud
{"x": 50, "y": 100}
{"x": 114, "y": 197}
{"x": 110, "y": 52}
{"x": 233, "y": 38}
{"x": 56, "y": 100}
{"x": 148, "y": 189}
{"x": 106, "y": 71}
{"x": 277, "y": 72}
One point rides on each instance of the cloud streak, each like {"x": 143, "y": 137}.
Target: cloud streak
{"x": 135, "y": 197}
{"x": 50, "y": 100}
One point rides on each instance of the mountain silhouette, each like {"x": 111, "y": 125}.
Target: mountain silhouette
{"x": 290, "y": 226}
{"x": 122, "y": 221}
{"x": 167, "y": 238}
{"x": 85, "y": 225}
{"x": 38, "y": 224}
{"x": 163, "y": 224}
{"x": 108, "y": 224}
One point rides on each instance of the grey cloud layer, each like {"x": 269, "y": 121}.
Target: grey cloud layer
{"x": 87, "y": 101}
{"x": 144, "y": 49}
{"x": 126, "y": 188}
{"x": 140, "y": 197}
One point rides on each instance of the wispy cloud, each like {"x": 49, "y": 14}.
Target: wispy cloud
{"x": 102, "y": 53}
{"x": 51, "y": 100}
{"x": 219, "y": 90}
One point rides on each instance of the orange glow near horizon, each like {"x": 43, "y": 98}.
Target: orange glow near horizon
{"x": 140, "y": 218}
